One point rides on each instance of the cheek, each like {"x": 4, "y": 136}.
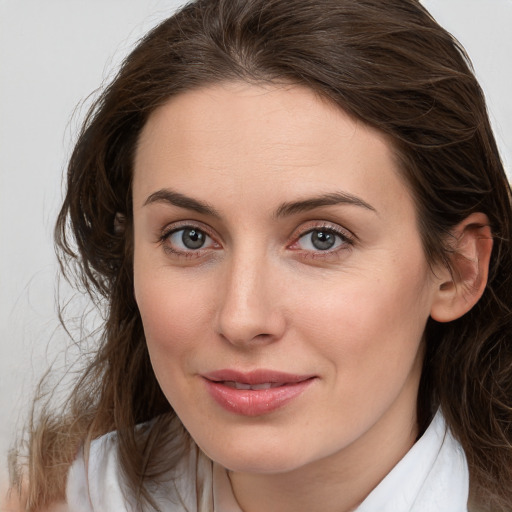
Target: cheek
{"x": 173, "y": 316}
{"x": 370, "y": 326}
{"x": 174, "y": 313}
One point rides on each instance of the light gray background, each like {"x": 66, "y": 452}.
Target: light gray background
{"x": 53, "y": 54}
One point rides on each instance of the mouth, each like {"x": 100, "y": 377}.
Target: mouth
{"x": 255, "y": 393}
{"x": 255, "y": 387}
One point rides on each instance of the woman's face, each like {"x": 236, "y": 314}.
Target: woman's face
{"x": 280, "y": 277}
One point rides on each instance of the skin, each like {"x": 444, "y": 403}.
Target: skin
{"x": 258, "y": 294}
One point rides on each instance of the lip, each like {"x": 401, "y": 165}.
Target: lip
{"x": 255, "y": 402}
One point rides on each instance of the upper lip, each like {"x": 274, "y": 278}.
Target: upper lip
{"x": 255, "y": 377}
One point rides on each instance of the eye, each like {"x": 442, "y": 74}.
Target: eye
{"x": 187, "y": 239}
{"x": 321, "y": 239}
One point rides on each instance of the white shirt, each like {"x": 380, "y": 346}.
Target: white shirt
{"x": 432, "y": 477}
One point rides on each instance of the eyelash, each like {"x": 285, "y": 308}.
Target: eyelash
{"x": 346, "y": 240}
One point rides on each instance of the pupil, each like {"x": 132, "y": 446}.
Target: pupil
{"x": 322, "y": 240}
{"x": 192, "y": 238}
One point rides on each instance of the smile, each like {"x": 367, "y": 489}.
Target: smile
{"x": 255, "y": 393}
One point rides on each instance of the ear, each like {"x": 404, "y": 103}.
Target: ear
{"x": 119, "y": 223}
{"x": 461, "y": 288}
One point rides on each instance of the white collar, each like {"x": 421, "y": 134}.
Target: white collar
{"x": 433, "y": 476}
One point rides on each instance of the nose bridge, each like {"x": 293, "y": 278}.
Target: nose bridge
{"x": 248, "y": 309}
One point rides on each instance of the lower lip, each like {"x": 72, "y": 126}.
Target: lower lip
{"x": 255, "y": 402}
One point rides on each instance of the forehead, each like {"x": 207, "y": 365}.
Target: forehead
{"x": 245, "y": 139}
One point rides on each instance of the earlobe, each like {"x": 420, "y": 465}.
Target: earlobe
{"x": 460, "y": 289}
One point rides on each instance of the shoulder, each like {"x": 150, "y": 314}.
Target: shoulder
{"x": 94, "y": 484}
{"x": 95, "y": 481}
{"x": 12, "y": 501}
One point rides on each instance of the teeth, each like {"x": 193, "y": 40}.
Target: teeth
{"x": 266, "y": 385}
{"x": 240, "y": 385}
{"x": 255, "y": 387}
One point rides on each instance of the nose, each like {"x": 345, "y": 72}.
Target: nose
{"x": 249, "y": 311}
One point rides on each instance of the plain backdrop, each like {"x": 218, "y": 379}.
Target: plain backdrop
{"x": 53, "y": 55}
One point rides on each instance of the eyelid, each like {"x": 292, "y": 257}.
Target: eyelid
{"x": 174, "y": 227}
{"x": 183, "y": 224}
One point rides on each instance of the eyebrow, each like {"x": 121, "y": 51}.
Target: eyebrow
{"x": 330, "y": 199}
{"x": 284, "y": 210}
{"x": 176, "y": 199}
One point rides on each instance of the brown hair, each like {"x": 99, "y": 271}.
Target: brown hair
{"x": 390, "y": 65}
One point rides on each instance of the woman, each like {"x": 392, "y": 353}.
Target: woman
{"x": 298, "y": 218}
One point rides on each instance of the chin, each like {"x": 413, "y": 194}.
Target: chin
{"x": 265, "y": 456}
{"x": 259, "y": 463}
